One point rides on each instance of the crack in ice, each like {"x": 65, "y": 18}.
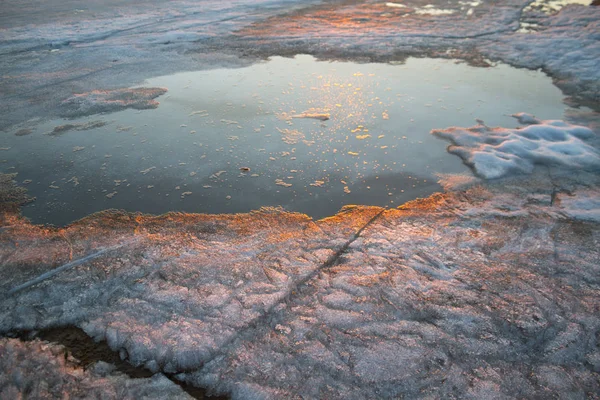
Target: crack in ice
{"x": 67, "y": 266}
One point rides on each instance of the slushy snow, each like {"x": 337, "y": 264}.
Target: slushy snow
{"x": 498, "y": 152}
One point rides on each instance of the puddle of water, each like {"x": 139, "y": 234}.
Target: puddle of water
{"x": 225, "y": 141}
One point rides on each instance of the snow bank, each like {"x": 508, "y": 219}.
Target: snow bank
{"x": 498, "y": 152}
{"x": 42, "y": 371}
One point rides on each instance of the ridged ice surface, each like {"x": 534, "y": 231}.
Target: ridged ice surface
{"x": 490, "y": 292}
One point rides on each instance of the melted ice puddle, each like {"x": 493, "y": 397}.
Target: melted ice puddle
{"x": 305, "y": 135}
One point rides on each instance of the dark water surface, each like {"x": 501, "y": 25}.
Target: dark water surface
{"x": 225, "y": 140}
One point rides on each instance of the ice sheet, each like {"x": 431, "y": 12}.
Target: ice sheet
{"x": 446, "y": 296}
{"x": 430, "y": 305}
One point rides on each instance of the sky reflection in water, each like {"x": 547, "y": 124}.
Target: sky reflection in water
{"x": 225, "y": 140}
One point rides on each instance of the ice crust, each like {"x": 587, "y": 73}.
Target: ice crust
{"x": 488, "y": 292}
{"x": 497, "y": 152}
{"x": 39, "y": 370}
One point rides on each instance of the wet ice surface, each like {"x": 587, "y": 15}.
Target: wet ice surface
{"x": 305, "y": 135}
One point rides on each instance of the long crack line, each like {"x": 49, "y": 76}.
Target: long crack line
{"x": 285, "y": 298}
{"x": 64, "y": 267}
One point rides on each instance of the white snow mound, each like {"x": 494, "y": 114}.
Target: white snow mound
{"x": 498, "y": 152}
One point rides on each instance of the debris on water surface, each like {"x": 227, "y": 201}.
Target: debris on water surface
{"x": 313, "y": 115}
{"x": 245, "y": 169}
{"x": 318, "y": 183}
{"x": 111, "y": 195}
{"x": 185, "y": 194}
{"x": 145, "y": 171}
{"x": 78, "y": 148}
{"x": 228, "y": 197}
{"x": 280, "y": 182}
{"x": 23, "y": 132}
{"x": 291, "y": 136}
{"x": 104, "y": 101}
{"x": 61, "y": 129}
{"x": 217, "y": 174}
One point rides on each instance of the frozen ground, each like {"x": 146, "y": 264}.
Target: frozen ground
{"x": 489, "y": 290}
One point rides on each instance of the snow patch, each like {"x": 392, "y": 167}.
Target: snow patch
{"x": 397, "y": 5}
{"x": 497, "y": 152}
{"x": 550, "y": 6}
